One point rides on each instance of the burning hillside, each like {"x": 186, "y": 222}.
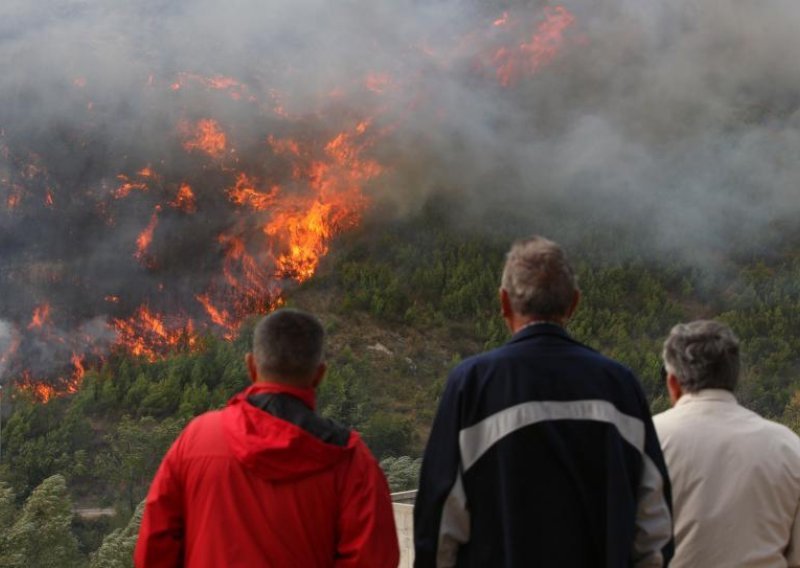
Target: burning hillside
{"x": 201, "y": 240}
{"x": 169, "y": 167}
{"x": 141, "y": 231}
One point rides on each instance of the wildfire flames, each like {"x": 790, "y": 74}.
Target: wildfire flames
{"x": 526, "y": 58}
{"x": 242, "y": 214}
{"x": 206, "y": 136}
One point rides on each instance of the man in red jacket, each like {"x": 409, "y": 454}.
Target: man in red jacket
{"x": 266, "y": 481}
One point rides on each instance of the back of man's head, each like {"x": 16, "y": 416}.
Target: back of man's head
{"x": 288, "y": 347}
{"x": 702, "y": 355}
{"x": 538, "y": 279}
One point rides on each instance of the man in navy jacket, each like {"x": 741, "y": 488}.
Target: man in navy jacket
{"x": 543, "y": 451}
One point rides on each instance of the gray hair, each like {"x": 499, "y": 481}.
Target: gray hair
{"x": 289, "y": 344}
{"x": 702, "y": 355}
{"x": 538, "y": 279}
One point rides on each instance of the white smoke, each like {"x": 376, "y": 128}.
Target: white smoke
{"x": 8, "y": 339}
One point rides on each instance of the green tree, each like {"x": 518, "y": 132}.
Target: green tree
{"x": 388, "y": 434}
{"x": 342, "y": 395}
{"x": 402, "y": 472}
{"x": 195, "y": 400}
{"x": 117, "y": 548}
{"x": 41, "y": 535}
{"x": 8, "y": 513}
{"x": 7, "y": 508}
{"x": 135, "y": 450}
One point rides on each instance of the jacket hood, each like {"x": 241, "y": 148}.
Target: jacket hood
{"x": 276, "y": 448}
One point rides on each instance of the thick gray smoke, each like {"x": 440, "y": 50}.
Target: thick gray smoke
{"x": 675, "y": 122}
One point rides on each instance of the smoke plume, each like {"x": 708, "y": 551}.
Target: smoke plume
{"x": 676, "y": 122}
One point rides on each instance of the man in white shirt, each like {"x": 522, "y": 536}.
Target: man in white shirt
{"x": 735, "y": 476}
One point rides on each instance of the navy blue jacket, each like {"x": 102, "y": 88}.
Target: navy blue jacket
{"x": 543, "y": 453}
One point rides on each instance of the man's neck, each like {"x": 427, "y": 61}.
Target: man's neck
{"x": 284, "y": 382}
{"x": 524, "y": 324}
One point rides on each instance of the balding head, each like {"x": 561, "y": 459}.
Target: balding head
{"x": 539, "y": 281}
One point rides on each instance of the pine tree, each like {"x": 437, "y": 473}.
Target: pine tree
{"x": 7, "y": 515}
{"x": 117, "y": 548}
{"x": 41, "y": 535}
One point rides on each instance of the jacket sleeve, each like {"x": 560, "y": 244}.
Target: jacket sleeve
{"x": 161, "y": 535}
{"x": 654, "y": 544}
{"x": 441, "y": 518}
{"x": 367, "y": 537}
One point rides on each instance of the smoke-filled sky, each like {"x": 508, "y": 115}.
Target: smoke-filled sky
{"x": 674, "y": 119}
{"x": 681, "y": 111}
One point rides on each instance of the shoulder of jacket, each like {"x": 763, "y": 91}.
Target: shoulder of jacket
{"x": 782, "y": 433}
{"x": 663, "y": 421}
{"x": 473, "y": 362}
{"x": 201, "y": 426}
{"x": 206, "y": 419}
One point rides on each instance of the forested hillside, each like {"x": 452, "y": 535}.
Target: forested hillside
{"x": 400, "y": 308}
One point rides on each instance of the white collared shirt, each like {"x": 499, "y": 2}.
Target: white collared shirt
{"x": 735, "y": 484}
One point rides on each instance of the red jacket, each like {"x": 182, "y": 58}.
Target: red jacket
{"x": 242, "y": 487}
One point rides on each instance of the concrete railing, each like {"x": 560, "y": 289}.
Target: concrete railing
{"x": 403, "y": 505}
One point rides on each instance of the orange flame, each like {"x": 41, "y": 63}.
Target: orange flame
{"x": 146, "y": 334}
{"x": 184, "y": 199}
{"x": 45, "y": 391}
{"x": 14, "y": 197}
{"x": 74, "y": 383}
{"x": 128, "y": 186}
{"x": 41, "y": 315}
{"x": 146, "y": 236}
{"x": 206, "y": 136}
{"x": 244, "y": 193}
{"x": 251, "y": 287}
{"x": 40, "y": 390}
{"x": 377, "y": 82}
{"x": 502, "y": 20}
{"x": 234, "y": 88}
{"x": 306, "y": 225}
{"x": 527, "y": 58}
{"x": 285, "y": 147}
{"x": 220, "y": 317}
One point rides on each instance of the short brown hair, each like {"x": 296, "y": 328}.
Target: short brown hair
{"x": 538, "y": 278}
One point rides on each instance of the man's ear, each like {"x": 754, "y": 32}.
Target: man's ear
{"x": 319, "y": 375}
{"x": 252, "y": 371}
{"x": 505, "y": 309}
{"x": 505, "y": 304}
{"x": 674, "y": 388}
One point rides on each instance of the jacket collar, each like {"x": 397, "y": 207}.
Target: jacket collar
{"x": 537, "y": 329}
{"x": 306, "y": 395}
{"x": 707, "y": 395}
